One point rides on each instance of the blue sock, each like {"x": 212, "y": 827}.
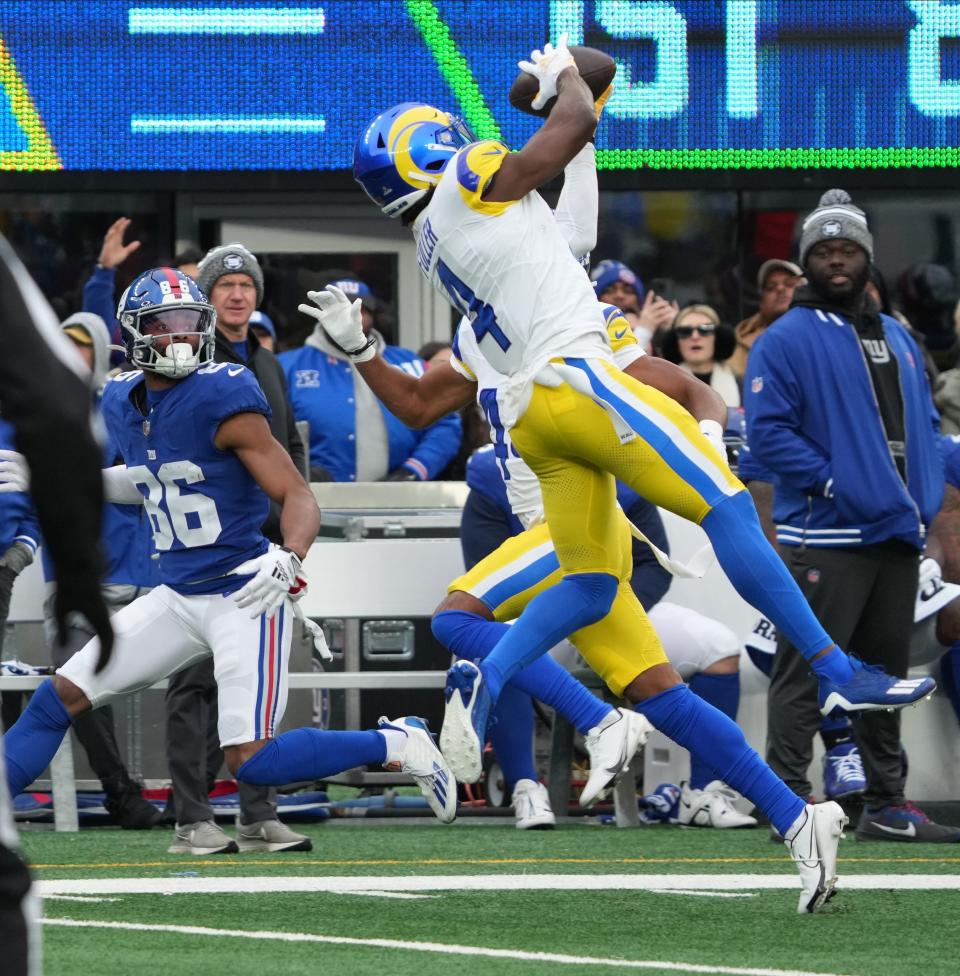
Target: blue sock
{"x": 473, "y": 637}
{"x": 35, "y": 737}
{"x": 723, "y": 692}
{"x": 759, "y": 575}
{"x": 950, "y": 676}
{"x": 705, "y": 731}
{"x": 305, "y": 754}
{"x": 511, "y": 734}
{"x": 575, "y": 602}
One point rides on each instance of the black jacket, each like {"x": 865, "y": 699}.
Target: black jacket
{"x": 273, "y": 382}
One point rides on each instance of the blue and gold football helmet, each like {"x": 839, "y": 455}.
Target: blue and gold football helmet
{"x": 403, "y": 152}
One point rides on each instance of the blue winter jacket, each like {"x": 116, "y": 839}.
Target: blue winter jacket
{"x": 320, "y": 387}
{"x": 813, "y": 420}
{"x": 18, "y": 521}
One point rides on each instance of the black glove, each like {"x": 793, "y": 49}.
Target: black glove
{"x": 401, "y": 474}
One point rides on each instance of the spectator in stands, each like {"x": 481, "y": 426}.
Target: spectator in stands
{"x": 839, "y": 409}
{"x": 232, "y": 279}
{"x": 777, "y": 280}
{"x": 928, "y": 296}
{"x": 127, "y": 544}
{"x": 353, "y": 437}
{"x": 700, "y": 343}
{"x": 476, "y": 429}
{"x": 648, "y": 313}
{"x": 704, "y": 651}
{"x": 261, "y": 325}
{"x": 99, "y": 291}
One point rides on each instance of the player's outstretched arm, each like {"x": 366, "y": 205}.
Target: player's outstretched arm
{"x": 568, "y": 128}
{"x": 418, "y": 402}
{"x": 248, "y": 436}
{"x": 699, "y": 399}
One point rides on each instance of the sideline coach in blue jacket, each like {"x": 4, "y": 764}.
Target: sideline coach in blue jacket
{"x": 353, "y": 437}
{"x": 839, "y": 409}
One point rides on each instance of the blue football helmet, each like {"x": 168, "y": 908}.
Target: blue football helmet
{"x": 404, "y": 151}
{"x": 165, "y": 304}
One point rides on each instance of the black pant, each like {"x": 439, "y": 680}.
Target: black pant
{"x": 15, "y": 933}
{"x": 194, "y": 753}
{"x": 864, "y": 598}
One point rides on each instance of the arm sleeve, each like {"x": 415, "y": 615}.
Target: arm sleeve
{"x": 579, "y": 203}
{"x": 772, "y": 400}
{"x": 99, "y": 297}
{"x": 437, "y": 447}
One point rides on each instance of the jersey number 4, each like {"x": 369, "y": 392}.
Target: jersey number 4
{"x": 190, "y": 519}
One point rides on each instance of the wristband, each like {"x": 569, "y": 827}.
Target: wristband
{"x": 366, "y": 352}
{"x": 711, "y": 429}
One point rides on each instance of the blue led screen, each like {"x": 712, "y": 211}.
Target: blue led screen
{"x": 257, "y": 85}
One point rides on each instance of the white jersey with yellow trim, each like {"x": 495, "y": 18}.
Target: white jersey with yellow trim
{"x": 508, "y": 268}
{"x": 523, "y": 488}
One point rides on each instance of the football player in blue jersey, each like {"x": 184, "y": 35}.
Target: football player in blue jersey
{"x": 200, "y": 457}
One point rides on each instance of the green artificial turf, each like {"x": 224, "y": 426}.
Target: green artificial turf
{"x": 862, "y": 932}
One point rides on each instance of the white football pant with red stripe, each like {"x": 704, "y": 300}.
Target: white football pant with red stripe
{"x": 164, "y": 631}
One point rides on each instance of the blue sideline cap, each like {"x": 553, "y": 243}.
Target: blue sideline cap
{"x": 261, "y": 321}
{"x": 610, "y": 271}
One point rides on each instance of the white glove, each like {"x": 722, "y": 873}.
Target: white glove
{"x": 546, "y": 68}
{"x": 341, "y": 321}
{"x": 316, "y": 633}
{"x": 714, "y": 434}
{"x": 277, "y": 576}
{"x": 14, "y": 473}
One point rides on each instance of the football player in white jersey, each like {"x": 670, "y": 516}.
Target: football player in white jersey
{"x": 488, "y": 242}
{"x": 199, "y": 456}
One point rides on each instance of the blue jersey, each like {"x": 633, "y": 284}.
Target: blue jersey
{"x": 205, "y": 508}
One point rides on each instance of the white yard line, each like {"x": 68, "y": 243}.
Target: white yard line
{"x": 440, "y": 948}
{"x": 486, "y": 882}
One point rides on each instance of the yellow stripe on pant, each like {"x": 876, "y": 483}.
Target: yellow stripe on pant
{"x": 618, "y": 648}
{"x": 572, "y": 445}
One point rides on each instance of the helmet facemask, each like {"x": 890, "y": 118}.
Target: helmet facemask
{"x": 170, "y": 340}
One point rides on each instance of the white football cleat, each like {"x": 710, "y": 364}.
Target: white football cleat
{"x": 419, "y": 757}
{"x": 711, "y": 807}
{"x": 814, "y": 850}
{"x": 612, "y": 745}
{"x": 531, "y": 806}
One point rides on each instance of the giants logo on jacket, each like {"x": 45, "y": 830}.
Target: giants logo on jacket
{"x": 306, "y": 377}
{"x": 877, "y": 350}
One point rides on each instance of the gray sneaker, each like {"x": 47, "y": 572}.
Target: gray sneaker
{"x": 904, "y": 822}
{"x": 271, "y": 835}
{"x": 201, "y": 838}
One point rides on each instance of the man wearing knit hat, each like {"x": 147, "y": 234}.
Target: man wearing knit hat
{"x": 839, "y": 410}
{"x": 232, "y": 278}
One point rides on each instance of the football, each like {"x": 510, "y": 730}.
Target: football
{"x": 596, "y": 68}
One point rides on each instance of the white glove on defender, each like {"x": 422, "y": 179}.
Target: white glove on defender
{"x": 546, "y": 68}
{"x": 14, "y": 473}
{"x": 341, "y": 321}
{"x": 278, "y": 575}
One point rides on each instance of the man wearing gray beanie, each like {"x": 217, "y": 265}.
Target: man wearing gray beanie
{"x": 839, "y": 411}
{"x": 232, "y": 278}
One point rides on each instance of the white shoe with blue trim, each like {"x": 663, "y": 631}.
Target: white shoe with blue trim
{"x": 419, "y": 757}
